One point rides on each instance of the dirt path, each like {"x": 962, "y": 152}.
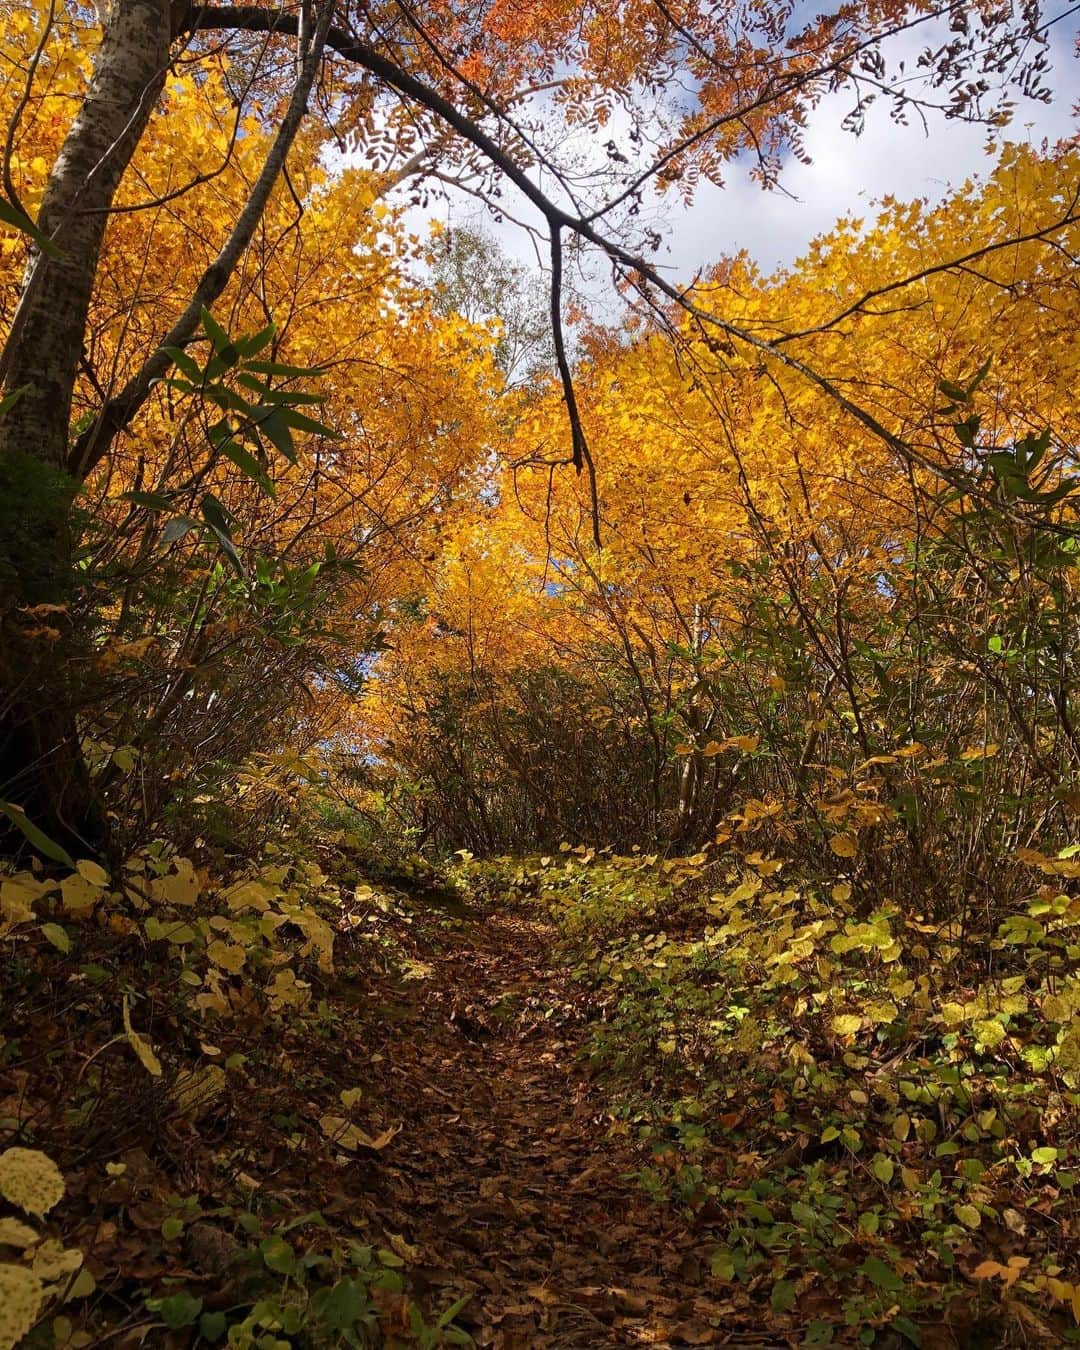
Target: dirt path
{"x": 505, "y": 1176}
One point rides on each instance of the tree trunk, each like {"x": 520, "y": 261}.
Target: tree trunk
{"x": 41, "y": 765}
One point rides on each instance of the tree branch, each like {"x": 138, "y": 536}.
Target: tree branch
{"x": 118, "y": 412}
{"x": 252, "y": 19}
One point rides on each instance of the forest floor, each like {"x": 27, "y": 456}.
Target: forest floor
{"x": 525, "y": 1103}
{"x": 507, "y": 1177}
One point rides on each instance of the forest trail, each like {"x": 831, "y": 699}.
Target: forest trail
{"x": 506, "y": 1177}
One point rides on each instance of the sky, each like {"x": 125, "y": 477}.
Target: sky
{"x": 847, "y": 174}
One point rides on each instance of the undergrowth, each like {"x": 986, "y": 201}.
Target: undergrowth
{"x": 179, "y": 1050}
{"x": 870, "y": 1115}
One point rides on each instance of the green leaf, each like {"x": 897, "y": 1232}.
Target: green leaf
{"x": 271, "y": 423}
{"x": 246, "y": 462}
{"x": 152, "y": 501}
{"x": 1044, "y": 1155}
{"x": 722, "y": 1264}
{"x": 184, "y": 363}
{"x": 10, "y": 214}
{"x": 783, "y": 1296}
{"x": 278, "y": 1255}
{"x": 907, "y": 1328}
{"x": 304, "y": 423}
{"x": 57, "y": 936}
{"x": 213, "y": 513}
{"x": 171, "y": 1229}
{"x": 255, "y": 342}
{"x": 222, "y": 342}
{"x": 979, "y": 376}
{"x": 952, "y": 391}
{"x": 38, "y": 839}
{"x": 176, "y": 529}
{"x": 179, "y": 1311}
{"x": 283, "y": 371}
{"x": 286, "y": 396}
{"x": 880, "y": 1275}
{"x": 212, "y": 1326}
{"x": 9, "y": 400}
{"x": 883, "y": 1168}
{"x": 312, "y": 1219}
{"x": 124, "y": 757}
{"x": 453, "y": 1310}
{"x": 342, "y": 1307}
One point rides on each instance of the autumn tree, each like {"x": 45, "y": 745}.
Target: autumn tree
{"x": 411, "y": 90}
{"x": 795, "y": 642}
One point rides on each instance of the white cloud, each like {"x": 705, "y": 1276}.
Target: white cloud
{"x": 846, "y": 175}
{"x": 849, "y": 173}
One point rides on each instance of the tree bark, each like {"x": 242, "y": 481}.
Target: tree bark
{"x": 41, "y": 766}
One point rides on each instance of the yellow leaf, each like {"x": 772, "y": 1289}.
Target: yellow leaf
{"x": 180, "y": 887}
{"x": 141, "y": 1046}
{"x": 79, "y": 895}
{"x": 229, "y": 956}
{"x": 196, "y": 1090}
{"x": 15, "y": 1233}
{"x": 21, "y": 1294}
{"x": 319, "y": 935}
{"x": 249, "y": 895}
{"x": 56, "y": 935}
{"x": 18, "y": 896}
{"x": 844, "y": 845}
{"x": 30, "y": 1180}
{"x": 987, "y": 751}
{"x": 989, "y": 1270}
{"x": 84, "y": 1286}
{"x": 989, "y": 1032}
{"x": 92, "y": 872}
{"x": 765, "y": 866}
{"x": 901, "y": 1126}
{"x": 406, "y": 1250}
{"x": 846, "y": 1024}
{"x": 347, "y": 1135}
{"x": 52, "y": 1260}
{"x": 968, "y": 1215}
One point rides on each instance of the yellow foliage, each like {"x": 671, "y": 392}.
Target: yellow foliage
{"x": 21, "y": 1295}
{"x": 30, "y": 1180}
{"x": 195, "y": 1090}
{"x": 15, "y": 1233}
{"x": 143, "y": 1050}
